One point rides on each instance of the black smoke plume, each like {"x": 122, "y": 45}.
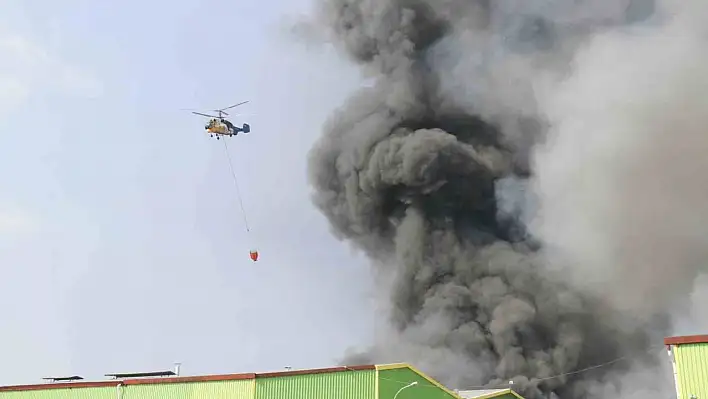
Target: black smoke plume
{"x": 425, "y": 171}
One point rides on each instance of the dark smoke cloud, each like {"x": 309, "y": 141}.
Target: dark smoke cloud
{"x": 425, "y": 170}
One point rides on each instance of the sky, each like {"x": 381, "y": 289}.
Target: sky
{"x": 122, "y": 246}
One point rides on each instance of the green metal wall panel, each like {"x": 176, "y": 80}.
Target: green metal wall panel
{"x": 339, "y": 385}
{"x": 236, "y": 389}
{"x": 692, "y": 370}
{"x": 391, "y": 381}
{"x": 67, "y": 393}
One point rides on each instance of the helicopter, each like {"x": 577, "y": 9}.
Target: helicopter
{"x": 219, "y": 126}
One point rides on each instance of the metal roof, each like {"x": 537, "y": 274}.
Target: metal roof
{"x": 485, "y": 393}
{"x": 476, "y": 393}
{"x": 686, "y": 339}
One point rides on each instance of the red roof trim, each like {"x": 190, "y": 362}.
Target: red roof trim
{"x": 200, "y": 378}
{"x": 176, "y": 380}
{"x": 686, "y": 339}
{"x": 35, "y": 387}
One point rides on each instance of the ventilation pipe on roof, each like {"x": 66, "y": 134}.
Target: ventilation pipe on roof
{"x": 177, "y": 366}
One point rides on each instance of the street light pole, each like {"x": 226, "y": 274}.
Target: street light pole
{"x": 407, "y": 386}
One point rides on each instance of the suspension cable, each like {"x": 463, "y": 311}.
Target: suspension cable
{"x": 238, "y": 190}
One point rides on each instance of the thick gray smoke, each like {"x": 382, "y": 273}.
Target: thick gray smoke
{"x": 426, "y": 171}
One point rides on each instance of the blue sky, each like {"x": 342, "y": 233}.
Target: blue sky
{"x": 121, "y": 243}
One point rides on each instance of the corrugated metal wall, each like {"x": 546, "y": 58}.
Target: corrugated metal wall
{"x": 392, "y": 380}
{"x": 692, "y": 370}
{"x": 341, "y": 385}
{"x": 77, "y": 393}
{"x": 237, "y": 389}
{"x": 337, "y": 385}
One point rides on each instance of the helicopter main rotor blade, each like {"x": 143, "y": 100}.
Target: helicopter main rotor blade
{"x": 199, "y": 113}
{"x": 235, "y": 105}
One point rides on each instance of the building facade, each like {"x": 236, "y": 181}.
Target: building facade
{"x": 390, "y": 381}
{"x": 689, "y": 358}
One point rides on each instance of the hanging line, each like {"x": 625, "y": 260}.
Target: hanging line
{"x": 238, "y": 190}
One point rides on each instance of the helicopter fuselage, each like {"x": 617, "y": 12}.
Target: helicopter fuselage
{"x": 216, "y": 126}
{"x": 222, "y": 127}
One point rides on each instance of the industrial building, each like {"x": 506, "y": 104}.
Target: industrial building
{"x": 389, "y": 381}
{"x": 689, "y": 358}
{"x": 688, "y": 354}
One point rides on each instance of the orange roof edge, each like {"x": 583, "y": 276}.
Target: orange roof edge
{"x": 36, "y": 387}
{"x": 176, "y": 380}
{"x": 686, "y": 339}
